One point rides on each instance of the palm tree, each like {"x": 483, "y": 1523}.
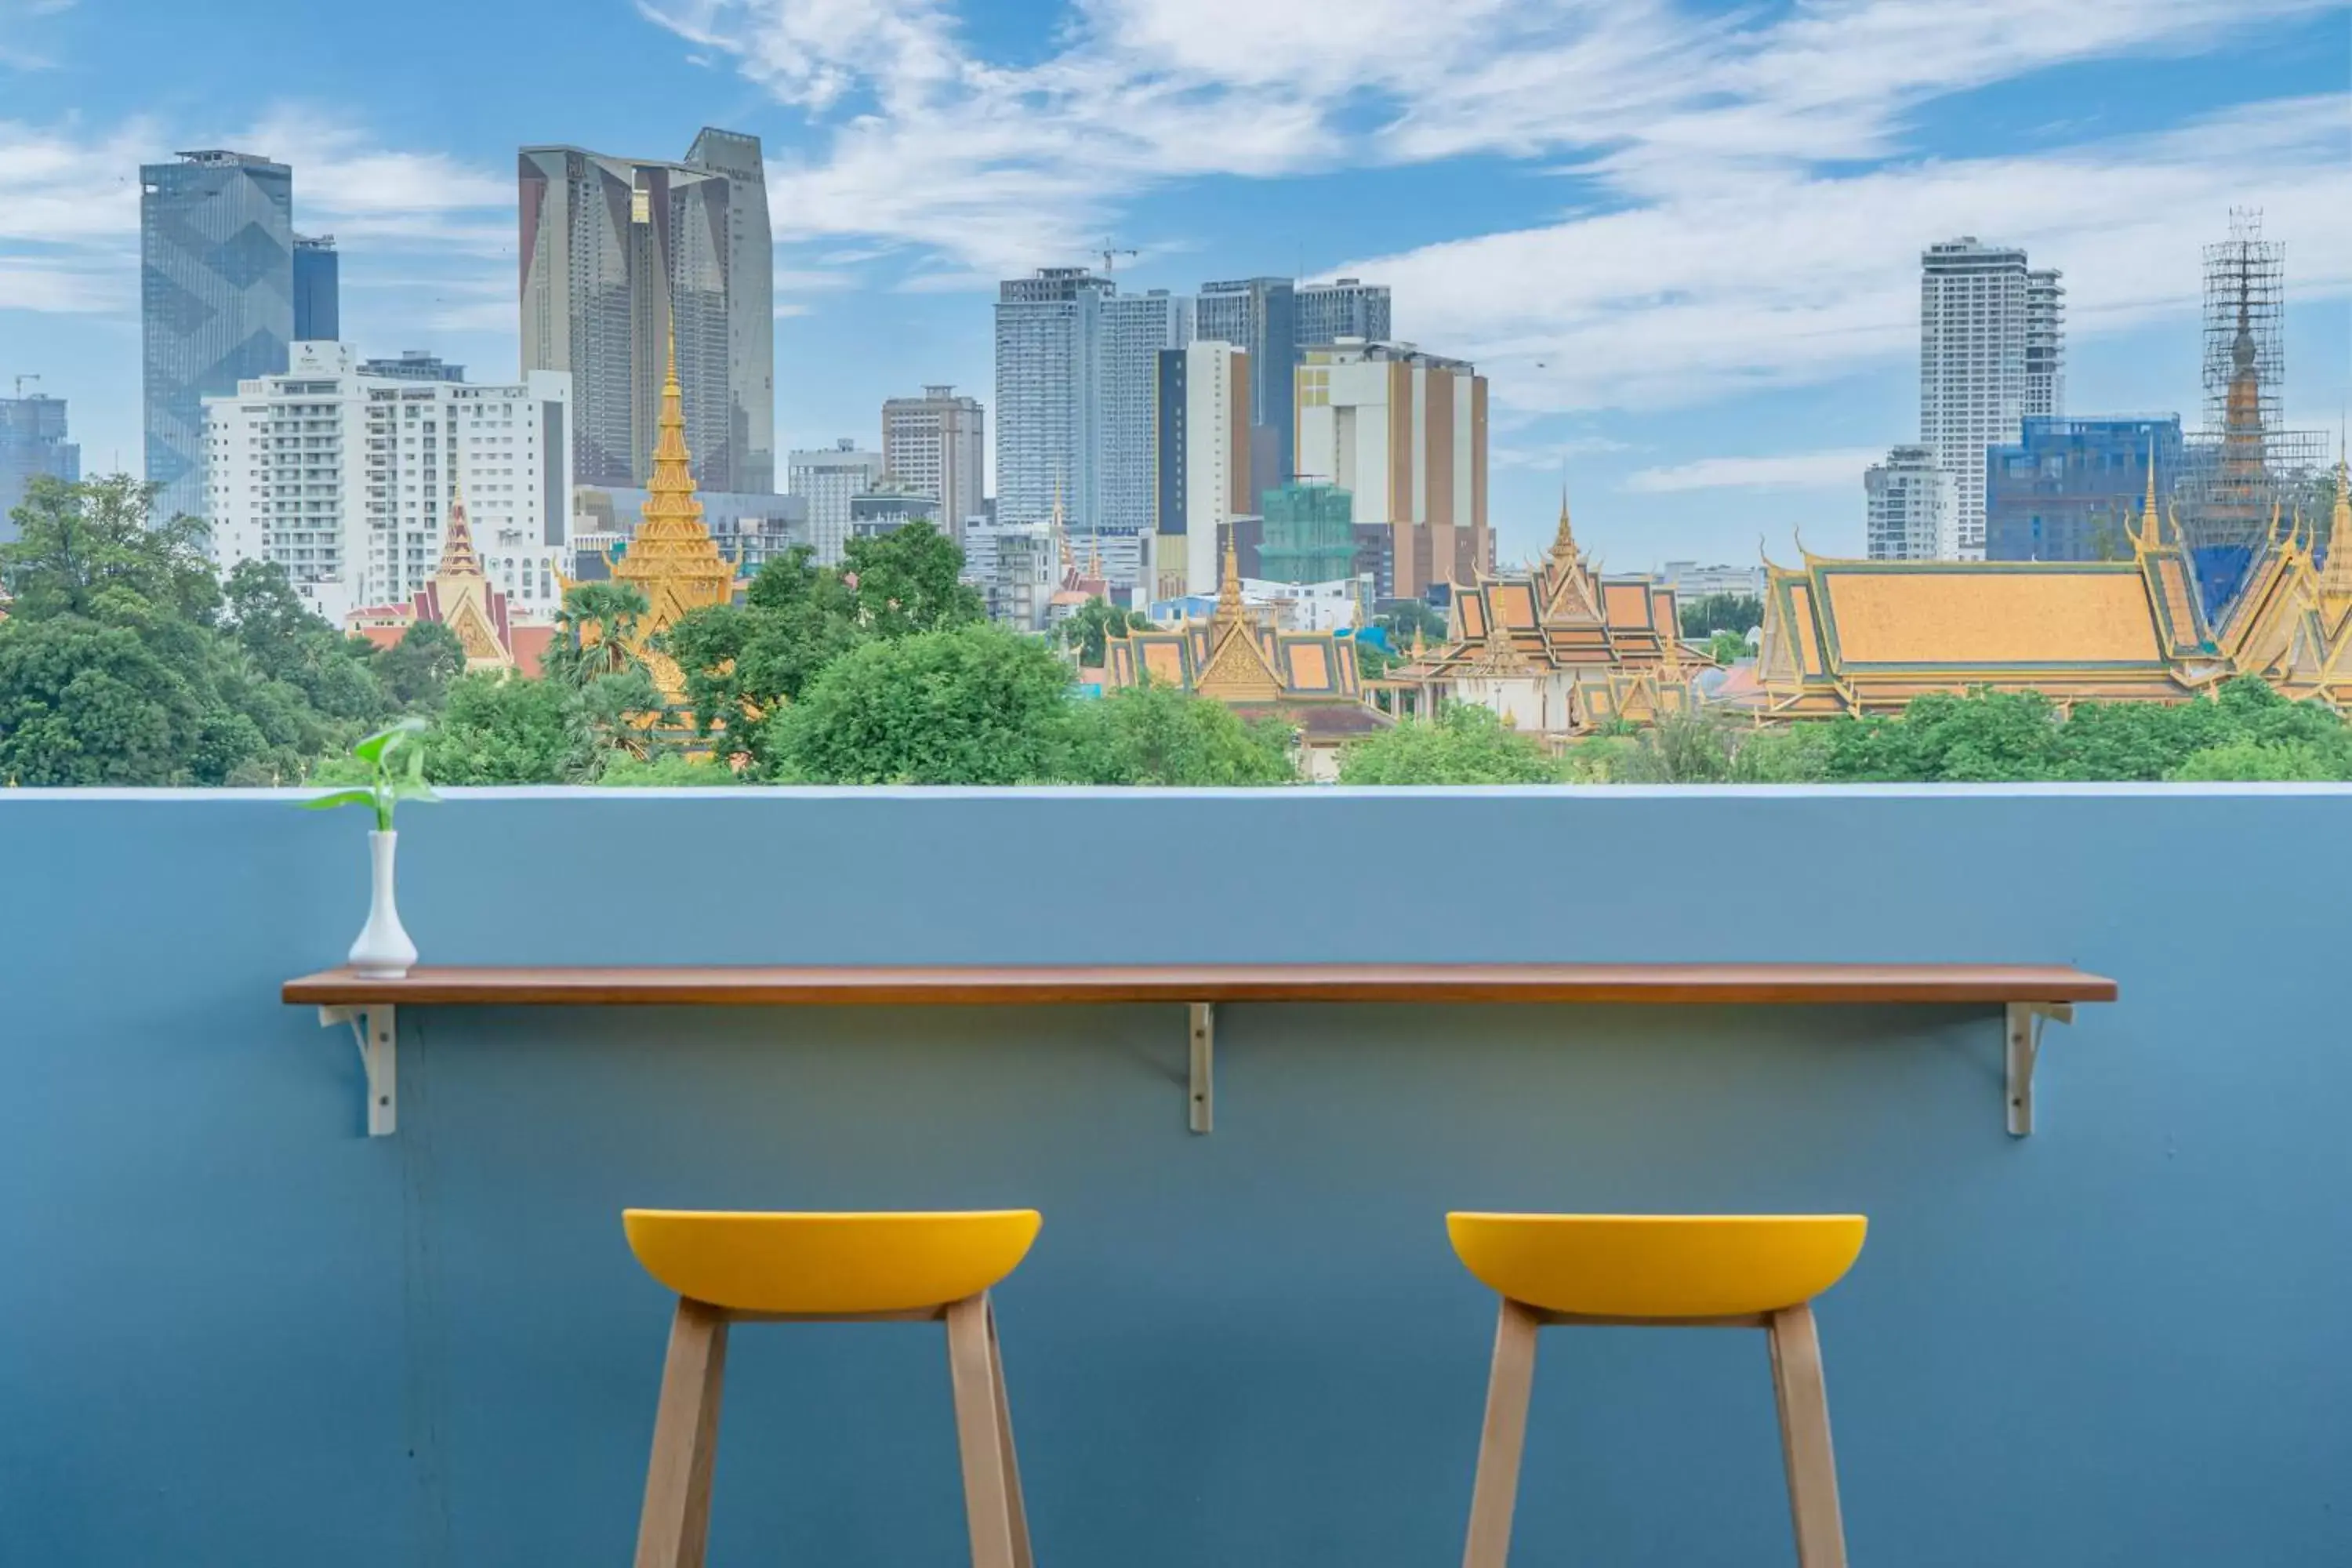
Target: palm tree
{"x": 596, "y": 632}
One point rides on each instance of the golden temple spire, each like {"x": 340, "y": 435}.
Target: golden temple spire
{"x": 2148, "y": 530}
{"x": 1563, "y": 543}
{"x": 1229, "y": 590}
{"x": 671, "y": 558}
{"x": 2336, "y": 578}
{"x": 457, "y": 557}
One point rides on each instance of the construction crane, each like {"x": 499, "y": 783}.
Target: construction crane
{"x": 1110, "y": 253}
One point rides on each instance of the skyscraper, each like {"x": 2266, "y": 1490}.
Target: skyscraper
{"x": 1202, "y": 462}
{"x": 32, "y": 444}
{"x": 618, "y": 256}
{"x": 933, "y": 445}
{"x": 1405, "y": 434}
{"x": 318, "y": 289}
{"x": 1347, "y": 307}
{"x": 1135, "y": 329}
{"x": 216, "y": 300}
{"x": 829, "y": 480}
{"x": 2070, "y": 489}
{"x": 1991, "y": 349}
{"x": 1908, "y": 501}
{"x": 1049, "y": 355}
{"x": 1260, "y": 315}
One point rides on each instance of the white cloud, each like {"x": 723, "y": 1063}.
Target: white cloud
{"x": 1006, "y": 165}
{"x": 1787, "y": 277}
{"x": 1839, "y": 469}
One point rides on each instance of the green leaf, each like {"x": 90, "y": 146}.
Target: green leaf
{"x": 371, "y": 749}
{"x": 341, "y": 797}
{"x": 414, "y": 789}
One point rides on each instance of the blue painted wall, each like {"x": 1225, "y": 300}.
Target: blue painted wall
{"x": 235, "y": 1332}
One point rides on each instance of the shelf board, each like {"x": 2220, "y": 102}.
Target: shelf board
{"x": 1742, "y": 984}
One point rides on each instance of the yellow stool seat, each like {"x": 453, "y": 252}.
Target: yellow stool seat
{"x": 1660, "y": 1267}
{"x": 829, "y": 1263}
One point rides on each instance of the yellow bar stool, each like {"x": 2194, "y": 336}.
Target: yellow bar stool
{"x": 1661, "y": 1272}
{"x": 732, "y": 1269}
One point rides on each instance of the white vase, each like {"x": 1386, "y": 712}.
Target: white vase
{"x": 384, "y": 950}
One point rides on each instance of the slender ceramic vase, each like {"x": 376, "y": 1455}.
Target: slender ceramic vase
{"x": 384, "y": 950}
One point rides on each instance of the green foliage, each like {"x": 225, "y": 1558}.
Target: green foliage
{"x": 395, "y": 760}
{"x": 1712, "y": 613}
{"x": 1092, "y": 625}
{"x": 1158, "y": 734}
{"x": 1405, "y": 616}
{"x": 907, "y": 582}
{"x": 2249, "y": 761}
{"x": 415, "y": 672}
{"x": 746, "y": 663}
{"x": 975, "y": 705}
{"x": 1462, "y": 745}
{"x": 669, "y": 771}
{"x": 80, "y": 546}
{"x": 500, "y": 729}
{"x": 1727, "y": 648}
{"x": 595, "y": 634}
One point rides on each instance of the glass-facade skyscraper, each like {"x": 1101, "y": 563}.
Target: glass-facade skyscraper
{"x": 216, "y": 300}
{"x": 1261, "y": 316}
{"x": 32, "y": 444}
{"x": 318, "y": 290}
{"x": 1049, "y": 332}
{"x": 2070, "y": 489}
{"x": 617, "y": 252}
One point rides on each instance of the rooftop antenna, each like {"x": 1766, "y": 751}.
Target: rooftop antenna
{"x": 1112, "y": 253}
{"x": 21, "y": 381}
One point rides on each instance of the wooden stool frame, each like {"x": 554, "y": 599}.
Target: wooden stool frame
{"x": 1796, "y": 1386}
{"x": 675, "y": 1528}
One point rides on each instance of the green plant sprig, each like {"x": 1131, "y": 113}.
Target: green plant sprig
{"x": 396, "y": 757}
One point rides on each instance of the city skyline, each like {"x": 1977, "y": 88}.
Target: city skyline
{"x": 1715, "y": 345}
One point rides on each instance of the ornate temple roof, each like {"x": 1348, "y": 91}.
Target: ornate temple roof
{"x": 459, "y": 595}
{"x": 1309, "y": 679}
{"x": 671, "y": 558}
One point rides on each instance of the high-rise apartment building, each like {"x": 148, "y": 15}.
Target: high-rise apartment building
{"x": 623, "y": 258}
{"x": 1908, "y": 501}
{"x": 828, "y": 480}
{"x": 318, "y": 289}
{"x": 32, "y": 445}
{"x": 414, "y": 365}
{"x": 1991, "y": 351}
{"x": 1200, "y": 453}
{"x": 934, "y": 445}
{"x": 1049, "y": 355}
{"x": 1345, "y": 308}
{"x": 1404, "y": 433}
{"x": 345, "y": 480}
{"x": 1136, "y": 330}
{"x": 1260, "y": 315}
{"x": 215, "y": 297}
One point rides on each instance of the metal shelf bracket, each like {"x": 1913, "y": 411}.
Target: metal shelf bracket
{"x": 1203, "y": 1103}
{"x": 2026, "y": 1022}
{"x": 375, "y": 1029}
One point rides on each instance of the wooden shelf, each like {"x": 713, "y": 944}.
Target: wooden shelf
{"x": 2031, "y": 995}
{"x": 1683, "y": 984}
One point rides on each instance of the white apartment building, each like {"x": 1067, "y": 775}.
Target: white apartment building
{"x": 1692, "y": 581}
{"x": 1135, "y": 329}
{"x": 829, "y": 480}
{"x": 1202, "y": 478}
{"x": 1991, "y": 351}
{"x": 933, "y": 445}
{"x": 1016, "y": 567}
{"x": 1909, "y": 500}
{"x": 345, "y": 480}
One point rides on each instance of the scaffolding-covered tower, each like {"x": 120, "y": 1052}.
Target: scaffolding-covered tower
{"x": 2243, "y": 470}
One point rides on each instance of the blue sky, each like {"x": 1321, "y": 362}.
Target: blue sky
{"x": 1679, "y": 236}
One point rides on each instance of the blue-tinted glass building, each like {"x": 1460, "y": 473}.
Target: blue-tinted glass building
{"x": 2067, "y": 489}
{"x": 216, "y": 300}
{"x": 32, "y": 443}
{"x": 318, "y": 290}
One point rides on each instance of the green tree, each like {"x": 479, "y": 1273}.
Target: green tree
{"x": 82, "y": 703}
{"x": 671, "y": 770}
{"x": 496, "y": 728}
{"x": 908, "y": 581}
{"x": 1727, "y": 648}
{"x": 415, "y": 671}
{"x": 1092, "y": 625}
{"x": 1712, "y": 613}
{"x": 1160, "y": 734}
{"x": 286, "y": 640}
{"x": 595, "y": 633}
{"x": 1404, "y": 617}
{"x": 2249, "y": 761}
{"x": 746, "y": 663}
{"x": 977, "y": 705}
{"x": 1463, "y": 745}
{"x": 77, "y": 544}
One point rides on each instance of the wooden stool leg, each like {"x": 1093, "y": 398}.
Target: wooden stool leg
{"x": 1804, "y": 1402}
{"x": 981, "y": 1434}
{"x": 1499, "y": 1445}
{"x": 1018, "y": 1510}
{"x": 676, "y": 1524}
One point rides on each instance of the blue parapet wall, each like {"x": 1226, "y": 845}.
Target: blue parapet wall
{"x": 233, "y": 1330}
